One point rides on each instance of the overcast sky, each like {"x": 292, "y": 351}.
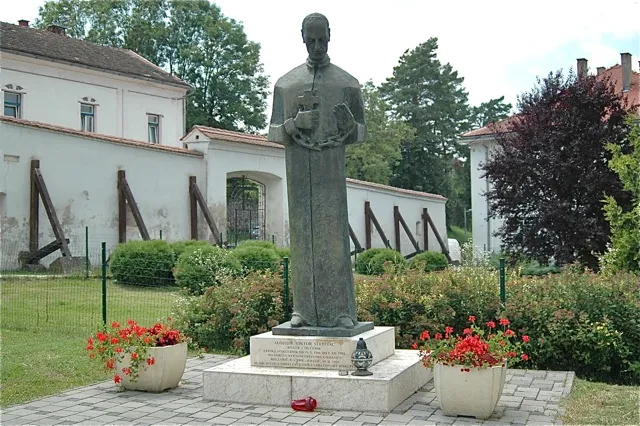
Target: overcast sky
{"x": 498, "y": 46}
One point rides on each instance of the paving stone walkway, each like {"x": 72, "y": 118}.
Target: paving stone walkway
{"x": 530, "y": 397}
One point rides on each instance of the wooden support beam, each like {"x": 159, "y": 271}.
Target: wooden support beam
{"x": 396, "y": 226}
{"x": 367, "y": 226}
{"x": 34, "y": 208}
{"x": 207, "y": 214}
{"x": 356, "y": 243}
{"x": 372, "y": 218}
{"x": 409, "y": 234}
{"x": 128, "y": 196}
{"x": 193, "y": 208}
{"x": 51, "y": 213}
{"x": 425, "y": 229}
{"x": 122, "y": 209}
{"x": 35, "y": 256}
{"x": 443, "y": 246}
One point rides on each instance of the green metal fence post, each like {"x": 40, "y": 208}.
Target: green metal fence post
{"x": 104, "y": 283}
{"x": 221, "y": 245}
{"x": 503, "y": 291}
{"x": 161, "y": 235}
{"x": 286, "y": 287}
{"x": 86, "y": 252}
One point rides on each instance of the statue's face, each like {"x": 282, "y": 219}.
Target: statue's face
{"x": 316, "y": 37}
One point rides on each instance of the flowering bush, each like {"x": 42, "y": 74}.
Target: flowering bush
{"x": 474, "y": 348}
{"x": 112, "y": 344}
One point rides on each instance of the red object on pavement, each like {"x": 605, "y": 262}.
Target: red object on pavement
{"x": 304, "y": 404}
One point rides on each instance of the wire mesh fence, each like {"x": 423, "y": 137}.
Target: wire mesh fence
{"x": 77, "y": 295}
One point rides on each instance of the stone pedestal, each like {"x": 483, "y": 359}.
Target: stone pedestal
{"x": 283, "y": 368}
{"x": 312, "y": 352}
{"x": 394, "y": 379}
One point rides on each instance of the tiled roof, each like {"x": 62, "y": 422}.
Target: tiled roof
{"x": 101, "y": 137}
{"x": 48, "y": 45}
{"x": 231, "y": 136}
{"x": 400, "y": 190}
{"x": 615, "y": 75}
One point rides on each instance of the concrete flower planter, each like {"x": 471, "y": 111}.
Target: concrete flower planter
{"x": 474, "y": 393}
{"x": 165, "y": 373}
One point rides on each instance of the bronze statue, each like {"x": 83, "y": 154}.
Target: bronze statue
{"x": 317, "y": 111}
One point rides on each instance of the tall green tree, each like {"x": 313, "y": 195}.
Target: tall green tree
{"x": 489, "y": 112}
{"x": 193, "y": 40}
{"x": 550, "y": 169}
{"x": 429, "y": 96}
{"x": 375, "y": 159}
{"x": 624, "y": 252}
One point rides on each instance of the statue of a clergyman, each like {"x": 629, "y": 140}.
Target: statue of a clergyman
{"x": 317, "y": 110}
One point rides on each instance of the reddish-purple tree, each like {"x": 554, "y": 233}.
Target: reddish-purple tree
{"x": 550, "y": 170}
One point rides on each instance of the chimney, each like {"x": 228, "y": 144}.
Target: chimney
{"x": 582, "y": 68}
{"x": 23, "y": 23}
{"x": 625, "y": 60}
{"x": 57, "y": 29}
{"x": 601, "y": 70}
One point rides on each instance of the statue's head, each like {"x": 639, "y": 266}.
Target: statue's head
{"x": 316, "y": 35}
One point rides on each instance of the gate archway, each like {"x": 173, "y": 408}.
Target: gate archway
{"x": 246, "y": 210}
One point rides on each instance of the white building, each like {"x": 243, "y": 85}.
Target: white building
{"x": 95, "y": 117}
{"x": 482, "y": 143}
{"x": 51, "y": 78}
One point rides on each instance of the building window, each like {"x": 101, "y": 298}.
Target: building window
{"x": 153, "y": 121}
{"x": 13, "y": 104}
{"x": 88, "y": 117}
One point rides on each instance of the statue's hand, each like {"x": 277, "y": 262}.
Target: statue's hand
{"x": 307, "y": 119}
{"x": 344, "y": 118}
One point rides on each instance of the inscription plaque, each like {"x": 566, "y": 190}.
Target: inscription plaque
{"x": 314, "y": 352}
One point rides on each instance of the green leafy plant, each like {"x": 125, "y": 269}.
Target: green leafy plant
{"x": 475, "y": 348}
{"x": 226, "y": 316}
{"x": 180, "y": 247}
{"x": 256, "y": 258}
{"x": 201, "y": 268}
{"x": 387, "y": 260}
{"x": 143, "y": 263}
{"x": 429, "y": 261}
{"x": 623, "y": 253}
{"x": 112, "y": 344}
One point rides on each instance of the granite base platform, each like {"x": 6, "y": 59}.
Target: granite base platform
{"x": 394, "y": 379}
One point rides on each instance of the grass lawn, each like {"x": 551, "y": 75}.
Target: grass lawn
{"x": 602, "y": 404}
{"x": 45, "y": 324}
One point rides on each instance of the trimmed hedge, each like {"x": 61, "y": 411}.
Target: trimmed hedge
{"x": 378, "y": 263}
{"x": 180, "y": 247}
{"x": 363, "y": 259}
{"x": 429, "y": 261}
{"x": 199, "y": 268}
{"x": 143, "y": 263}
{"x": 257, "y": 258}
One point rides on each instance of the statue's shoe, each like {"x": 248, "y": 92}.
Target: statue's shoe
{"x": 297, "y": 320}
{"x": 345, "y": 322}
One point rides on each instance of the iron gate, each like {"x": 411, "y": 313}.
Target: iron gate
{"x": 246, "y": 212}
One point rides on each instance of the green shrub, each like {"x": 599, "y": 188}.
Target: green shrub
{"x": 363, "y": 259}
{"x": 582, "y": 322}
{"x": 257, "y": 243}
{"x": 143, "y": 263}
{"x": 429, "y": 261}
{"x": 180, "y": 247}
{"x": 227, "y": 315}
{"x": 283, "y": 252}
{"x": 533, "y": 268}
{"x": 256, "y": 258}
{"x": 378, "y": 263}
{"x": 199, "y": 268}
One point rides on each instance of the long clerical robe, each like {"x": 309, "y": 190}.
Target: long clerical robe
{"x": 322, "y": 280}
